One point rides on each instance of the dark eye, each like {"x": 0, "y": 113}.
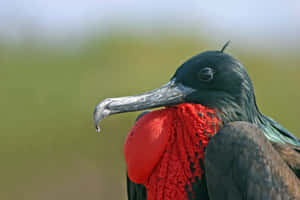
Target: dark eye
{"x": 206, "y": 74}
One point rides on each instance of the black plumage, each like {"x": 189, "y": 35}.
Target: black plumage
{"x": 241, "y": 163}
{"x": 253, "y": 159}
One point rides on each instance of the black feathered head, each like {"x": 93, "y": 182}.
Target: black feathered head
{"x": 213, "y": 78}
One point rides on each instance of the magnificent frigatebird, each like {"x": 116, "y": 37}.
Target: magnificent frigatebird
{"x": 209, "y": 98}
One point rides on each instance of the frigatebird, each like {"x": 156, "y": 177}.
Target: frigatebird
{"x": 210, "y": 141}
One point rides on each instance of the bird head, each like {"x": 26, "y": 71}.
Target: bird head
{"x": 213, "y": 79}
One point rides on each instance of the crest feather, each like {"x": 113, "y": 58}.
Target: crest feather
{"x": 225, "y": 46}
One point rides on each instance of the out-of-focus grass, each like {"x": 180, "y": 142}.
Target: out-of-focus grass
{"x": 48, "y": 146}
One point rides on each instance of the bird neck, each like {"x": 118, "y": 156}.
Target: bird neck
{"x": 247, "y": 110}
{"x": 242, "y": 108}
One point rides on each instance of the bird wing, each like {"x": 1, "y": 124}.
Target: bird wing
{"x": 290, "y": 154}
{"x": 284, "y": 142}
{"x": 240, "y": 163}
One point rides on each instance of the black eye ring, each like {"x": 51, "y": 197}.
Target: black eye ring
{"x": 206, "y": 74}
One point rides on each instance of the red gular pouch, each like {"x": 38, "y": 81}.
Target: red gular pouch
{"x": 146, "y": 143}
{"x": 164, "y": 148}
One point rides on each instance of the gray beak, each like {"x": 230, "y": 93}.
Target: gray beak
{"x": 169, "y": 94}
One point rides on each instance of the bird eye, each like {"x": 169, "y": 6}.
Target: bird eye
{"x": 206, "y": 74}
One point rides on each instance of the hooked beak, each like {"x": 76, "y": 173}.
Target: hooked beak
{"x": 171, "y": 93}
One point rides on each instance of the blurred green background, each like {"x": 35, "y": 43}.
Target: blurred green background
{"x": 48, "y": 146}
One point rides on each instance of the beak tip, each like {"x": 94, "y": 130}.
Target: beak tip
{"x": 98, "y": 129}
{"x": 100, "y": 112}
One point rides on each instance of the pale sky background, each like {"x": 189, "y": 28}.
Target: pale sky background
{"x": 269, "y": 21}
